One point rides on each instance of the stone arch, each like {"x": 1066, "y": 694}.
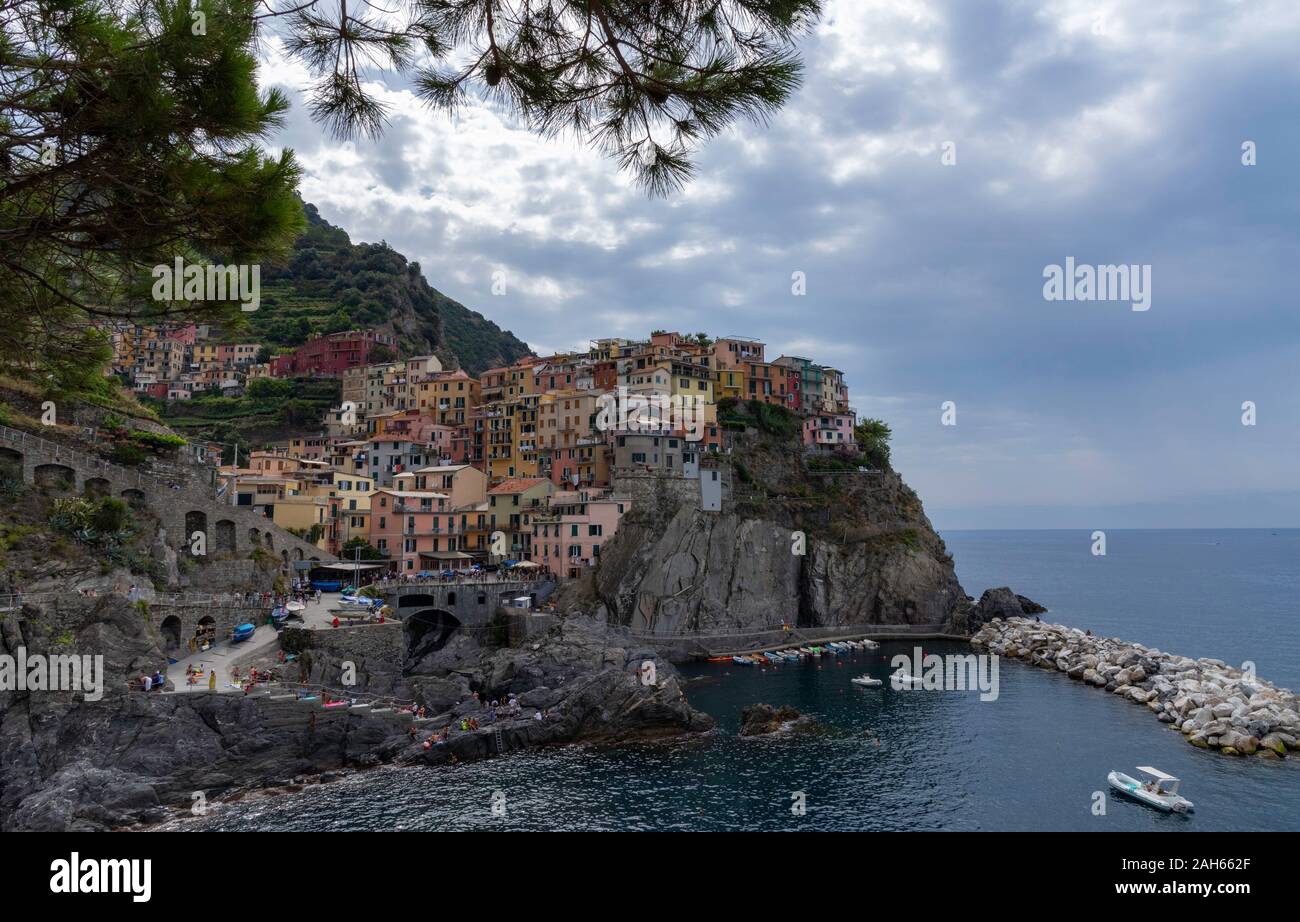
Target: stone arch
{"x": 98, "y": 486}
{"x": 133, "y": 496}
{"x": 55, "y": 475}
{"x": 284, "y": 559}
{"x": 427, "y": 631}
{"x": 254, "y": 537}
{"x": 451, "y": 598}
{"x": 224, "y": 535}
{"x": 171, "y": 632}
{"x": 297, "y": 553}
{"x": 266, "y": 539}
{"x": 11, "y": 464}
{"x": 195, "y": 520}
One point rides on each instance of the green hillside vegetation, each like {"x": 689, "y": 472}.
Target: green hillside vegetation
{"x": 330, "y": 284}
{"x": 271, "y": 409}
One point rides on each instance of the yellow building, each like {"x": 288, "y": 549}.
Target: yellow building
{"x": 731, "y": 383}
{"x": 305, "y": 516}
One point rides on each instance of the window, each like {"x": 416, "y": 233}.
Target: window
{"x": 594, "y": 531}
{"x": 573, "y": 531}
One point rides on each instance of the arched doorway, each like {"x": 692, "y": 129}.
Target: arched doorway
{"x": 98, "y": 486}
{"x": 58, "y": 476}
{"x": 225, "y": 535}
{"x": 171, "y": 632}
{"x": 195, "y": 520}
{"x": 11, "y": 464}
{"x": 206, "y": 630}
{"x": 133, "y": 497}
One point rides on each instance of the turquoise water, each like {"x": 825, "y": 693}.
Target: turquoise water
{"x": 884, "y": 760}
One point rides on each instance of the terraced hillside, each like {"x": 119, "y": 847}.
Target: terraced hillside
{"x": 332, "y": 284}
{"x": 271, "y": 410}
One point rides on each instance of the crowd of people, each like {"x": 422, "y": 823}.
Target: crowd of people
{"x": 471, "y": 575}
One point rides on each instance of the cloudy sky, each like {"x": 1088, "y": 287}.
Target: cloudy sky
{"x": 1110, "y": 132}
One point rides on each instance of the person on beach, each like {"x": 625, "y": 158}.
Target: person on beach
{"x": 212, "y": 680}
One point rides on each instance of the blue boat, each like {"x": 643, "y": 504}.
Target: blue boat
{"x": 742, "y": 661}
{"x": 242, "y": 633}
{"x": 327, "y": 585}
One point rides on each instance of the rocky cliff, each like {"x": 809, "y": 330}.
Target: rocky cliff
{"x": 814, "y": 548}
{"x": 131, "y": 757}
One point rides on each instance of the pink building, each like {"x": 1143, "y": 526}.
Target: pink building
{"x": 829, "y": 431}
{"x": 569, "y": 539}
{"x": 405, "y": 524}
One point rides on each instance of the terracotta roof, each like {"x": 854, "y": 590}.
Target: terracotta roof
{"x": 518, "y": 485}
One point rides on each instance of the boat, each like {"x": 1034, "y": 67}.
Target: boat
{"x": 869, "y": 644}
{"x": 720, "y": 659}
{"x": 295, "y": 606}
{"x": 866, "y": 680}
{"x": 1161, "y": 792}
{"x": 359, "y": 602}
{"x": 742, "y": 660}
{"x": 904, "y": 678}
{"x": 774, "y": 657}
{"x": 807, "y": 651}
{"x": 242, "y": 633}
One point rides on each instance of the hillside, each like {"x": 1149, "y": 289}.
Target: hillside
{"x": 271, "y": 410}
{"x": 331, "y": 284}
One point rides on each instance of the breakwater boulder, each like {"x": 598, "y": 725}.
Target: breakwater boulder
{"x": 1214, "y": 705}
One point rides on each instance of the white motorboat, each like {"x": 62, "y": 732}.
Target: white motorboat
{"x": 1161, "y": 792}
{"x": 294, "y": 607}
{"x": 867, "y": 681}
{"x": 904, "y": 679}
{"x": 869, "y": 644}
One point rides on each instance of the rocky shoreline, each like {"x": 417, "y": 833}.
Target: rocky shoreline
{"x": 1214, "y": 706}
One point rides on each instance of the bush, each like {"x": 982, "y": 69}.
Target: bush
{"x": 158, "y": 441}
{"x": 126, "y": 453}
{"x": 111, "y": 515}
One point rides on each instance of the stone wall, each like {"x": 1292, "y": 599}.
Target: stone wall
{"x": 183, "y": 502}
{"x": 473, "y": 604}
{"x": 178, "y": 623}
{"x": 664, "y": 492}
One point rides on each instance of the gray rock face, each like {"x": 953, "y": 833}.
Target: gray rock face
{"x": 709, "y": 573}
{"x": 67, "y": 763}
